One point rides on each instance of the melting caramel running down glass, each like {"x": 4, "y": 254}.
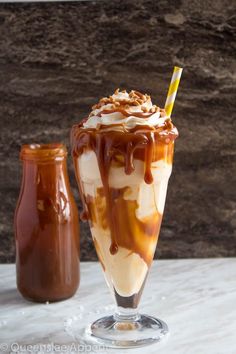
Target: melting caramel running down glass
{"x": 123, "y": 155}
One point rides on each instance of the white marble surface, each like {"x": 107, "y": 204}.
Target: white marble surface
{"x": 197, "y": 299}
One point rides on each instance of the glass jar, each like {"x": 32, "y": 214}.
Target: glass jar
{"x": 46, "y": 226}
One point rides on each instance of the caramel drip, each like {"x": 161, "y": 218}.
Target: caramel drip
{"x": 125, "y": 113}
{"x": 149, "y": 154}
{"x": 84, "y": 215}
{"x": 137, "y": 235}
{"x": 108, "y": 145}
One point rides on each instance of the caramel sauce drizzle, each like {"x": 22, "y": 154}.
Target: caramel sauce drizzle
{"x": 125, "y": 113}
{"x": 142, "y": 142}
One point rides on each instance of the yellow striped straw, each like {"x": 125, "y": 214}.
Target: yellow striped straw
{"x": 170, "y": 100}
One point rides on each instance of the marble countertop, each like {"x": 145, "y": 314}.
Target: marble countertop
{"x": 195, "y": 297}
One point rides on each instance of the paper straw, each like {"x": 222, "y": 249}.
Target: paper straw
{"x": 170, "y": 100}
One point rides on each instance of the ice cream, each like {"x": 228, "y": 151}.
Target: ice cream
{"x": 123, "y": 160}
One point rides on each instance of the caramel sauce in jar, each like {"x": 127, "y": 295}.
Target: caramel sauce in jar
{"x": 46, "y": 226}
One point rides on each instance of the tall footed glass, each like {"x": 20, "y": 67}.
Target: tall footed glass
{"x": 122, "y": 177}
{"x": 125, "y": 212}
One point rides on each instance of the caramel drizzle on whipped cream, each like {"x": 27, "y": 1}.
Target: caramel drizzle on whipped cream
{"x": 143, "y": 142}
{"x": 135, "y": 99}
{"x": 123, "y": 105}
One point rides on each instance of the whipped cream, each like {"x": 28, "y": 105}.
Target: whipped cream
{"x": 127, "y": 110}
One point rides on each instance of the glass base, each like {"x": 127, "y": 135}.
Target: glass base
{"x": 115, "y": 332}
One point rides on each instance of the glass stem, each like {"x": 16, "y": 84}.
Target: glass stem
{"x": 123, "y": 314}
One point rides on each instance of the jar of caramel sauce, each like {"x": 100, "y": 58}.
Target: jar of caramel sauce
{"x": 46, "y": 226}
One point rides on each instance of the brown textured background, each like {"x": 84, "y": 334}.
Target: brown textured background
{"x": 57, "y": 59}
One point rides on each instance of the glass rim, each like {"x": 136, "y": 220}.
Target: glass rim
{"x": 49, "y": 151}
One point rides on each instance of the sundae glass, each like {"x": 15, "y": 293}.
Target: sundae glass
{"x": 123, "y": 155}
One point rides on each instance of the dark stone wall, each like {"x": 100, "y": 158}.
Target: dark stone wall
{"x": 57, "y": 59}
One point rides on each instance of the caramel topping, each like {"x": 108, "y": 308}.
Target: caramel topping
{"x": 134, "y": 98}
{"x": 123, "y": 110}
{"x": 128, "y": 100}
{"x": 144, "y": 143}
{"x": 144, "y": 109}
